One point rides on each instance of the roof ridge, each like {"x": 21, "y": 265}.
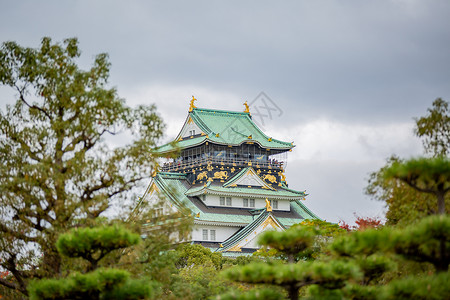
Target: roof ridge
{"x": 307, "y": 210}
{"x": 199, "y": 122}
{"x": 220, "y": 111}
{"x": 238, "y": 236}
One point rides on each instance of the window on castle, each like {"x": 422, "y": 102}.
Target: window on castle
{"x": 158, "y": 212}
{"x": 274, "y": 204}
{"x": 228, "y": 201}
{"x": 252, "y": 202}
{"x": 222, "y": 200}
{"x": 245, "y": 202}
{"x": 212, "y": 235}
{"x": 205, "y": 234}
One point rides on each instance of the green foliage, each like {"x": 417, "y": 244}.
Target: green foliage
{"x": 324, "y": 232}
{"x": 295, "y": 242}
{"x": 56, "y": 168}
{"x": 93, "y": 244}
{"x": 318, "y": 292}
{"x": 261, "y": 294}
{"x": 331, "y": 274}
{"x": 194, "y": 255}
{"x": 429, "y": 287}
{"x": 133, "y": 289}
{"x": 310, "y": 235}
{"x": 405, "y": 205}
{"x": 323, "y": 228}
{"x": 428, "y": 241}
{"x": 360, "y": 292}
{"x": 425, "y": 175}
{"x": 435, "y": 129}
{"x": 99, "y": 284}
{"x": 366, "y": 249}
{"x": 365, "y": 242}
{"x": 374, "y": 267}
{"x": 202, "y": 281}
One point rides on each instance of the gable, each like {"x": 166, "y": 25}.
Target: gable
{"x": 247, "y": 237}
{"x": 247, "y": 177}
{"x": 189, "y": 129}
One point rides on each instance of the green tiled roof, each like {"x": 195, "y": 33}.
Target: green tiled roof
{"x": 172, "y": 186}
{"x": 226, "y": 128}
{"x": 246, "y": 191}
{"x": 303, "y": 211}
{"x": 180, "y": 144}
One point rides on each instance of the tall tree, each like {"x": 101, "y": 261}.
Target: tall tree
{"x": 405, "y": 204}
{"x": 435, "y": 129}
{"x": 56, "y": 168}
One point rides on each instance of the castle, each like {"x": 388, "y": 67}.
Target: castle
{"x": 230, "y": 177}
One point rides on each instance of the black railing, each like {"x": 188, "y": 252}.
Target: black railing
{"x": 195, "y": 162}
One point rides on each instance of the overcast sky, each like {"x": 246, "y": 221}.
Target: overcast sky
{"x": 344, "y": 78}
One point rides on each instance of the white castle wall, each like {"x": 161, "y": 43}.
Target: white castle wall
{"x": 214, "y": 200}
{"x": 222, "y": 232}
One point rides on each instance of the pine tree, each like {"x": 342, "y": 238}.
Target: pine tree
{"x": 93, "y": 244}
{"x": 294, "y": 243}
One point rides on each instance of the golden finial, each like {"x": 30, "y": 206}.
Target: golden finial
{"x": 268, "y": 206}
{"x": 247, "y": 109}
{"x": 192, "y": 106}
{"x": 154, "y": 172}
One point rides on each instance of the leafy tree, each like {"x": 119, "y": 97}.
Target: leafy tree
{"x": 56, "y": 168}
{"x": 190, "y": 255}
{"x": 431, "y": 176}
{"x": 93, "y": 244}
{"x": 435, "y": 129}
{"x": 362, "y": 223}
{"x": 405, "y": 204}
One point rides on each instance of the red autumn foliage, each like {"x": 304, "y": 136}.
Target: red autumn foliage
{"x": 362, "y": 223}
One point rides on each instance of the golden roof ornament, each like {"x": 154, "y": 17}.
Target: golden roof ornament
{"x": 247, "y": 108}
{"x": 154, "y": 172}
{"x": 268, "y": 206}
{"x": 192, "y": 106}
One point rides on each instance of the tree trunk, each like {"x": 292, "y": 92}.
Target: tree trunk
{"x": 441, "y": 201}
{"x": 442, "y": 266}
{"x": 293, "y": 292}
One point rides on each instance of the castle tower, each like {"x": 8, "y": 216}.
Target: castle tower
{"x": 230, "y": 176}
